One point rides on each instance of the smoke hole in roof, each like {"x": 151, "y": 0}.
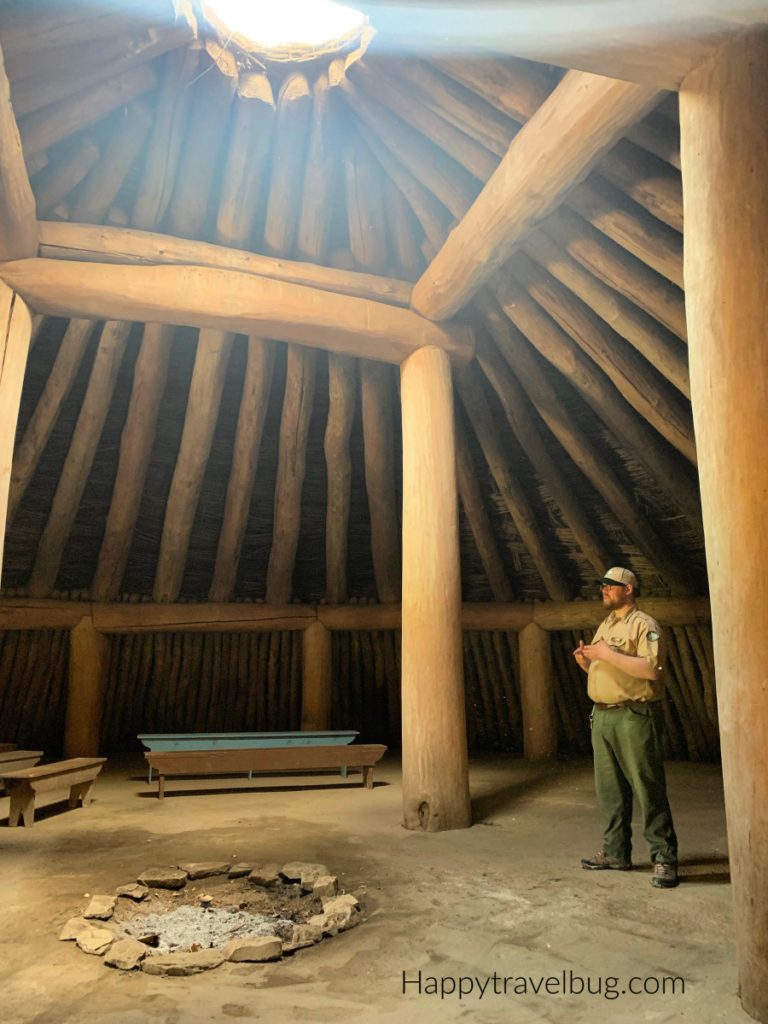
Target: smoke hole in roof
{"x": 287, "y": 23}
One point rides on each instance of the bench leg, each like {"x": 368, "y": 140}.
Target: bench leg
{"x": 79, "y": 793}
{"x": 368, "y": 776}
{"x": 160, "y": 787}
{"x": 22, "y": 806}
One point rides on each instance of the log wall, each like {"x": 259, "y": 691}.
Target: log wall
{"x": 210, "y": 682}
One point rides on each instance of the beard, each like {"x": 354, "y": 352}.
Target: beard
{"x": 612, "y": 601}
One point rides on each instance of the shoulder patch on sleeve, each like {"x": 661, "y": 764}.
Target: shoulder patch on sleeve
{"x": 652, "y": 636}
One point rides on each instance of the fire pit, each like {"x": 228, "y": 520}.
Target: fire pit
{"x": 192, "y": 917}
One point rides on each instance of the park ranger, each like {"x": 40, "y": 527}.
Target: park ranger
{"x": 625, "y": 664}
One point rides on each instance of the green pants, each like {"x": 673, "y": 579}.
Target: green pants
{"x": 629, "y": 758}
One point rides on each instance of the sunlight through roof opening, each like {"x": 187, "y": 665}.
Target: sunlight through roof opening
{"x": 281, "y": 23}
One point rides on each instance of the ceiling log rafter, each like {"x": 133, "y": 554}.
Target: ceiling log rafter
{"x": 436, "y": 131}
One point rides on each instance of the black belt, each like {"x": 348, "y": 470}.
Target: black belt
{"x": 622, "y": 704}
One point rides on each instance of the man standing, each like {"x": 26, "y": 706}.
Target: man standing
{"x": 624, "y": 664}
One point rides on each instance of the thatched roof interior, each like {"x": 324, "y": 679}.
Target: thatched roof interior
{"x": 579, "y": 388}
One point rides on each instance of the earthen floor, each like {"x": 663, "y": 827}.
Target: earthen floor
{"x": 505, "y": 899}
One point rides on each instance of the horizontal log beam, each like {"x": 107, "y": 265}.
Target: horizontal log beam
{"x": 226, "y": 300}
{"x": 124, "y": 617}
{"x": 579, "y": 121}
{"x": 200, "y": 618}
{"x": 102, "y": 244}
{"x": 654, "y": 42}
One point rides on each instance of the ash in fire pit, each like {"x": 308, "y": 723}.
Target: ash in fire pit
{"x": 180, "y": 920}
{"x": 206, "y": 927}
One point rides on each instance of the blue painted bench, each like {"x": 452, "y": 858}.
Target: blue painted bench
{"x": 184, "y": 741}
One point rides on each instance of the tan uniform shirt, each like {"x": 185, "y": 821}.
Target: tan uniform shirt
{"x": 635, "y": 634}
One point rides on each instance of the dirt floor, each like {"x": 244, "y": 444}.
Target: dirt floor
{"x": 461, "y": 910}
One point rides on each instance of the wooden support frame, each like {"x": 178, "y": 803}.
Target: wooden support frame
{"x": 15, "y": 334}
{"x": 724, "y": 156}
{"x": 435, "y": 768}
{"x": 88, "y": 663}
{"x": 231, "y": 301}
{"x": 316, "y": 678}
{"x": 77, "y": 465}
{"x": 123, "y": 617}
{"x": 301, "y": 366}
{"x": 567, "y": 135}
{"x": 18, "y": 223}
{"x": 149, "y": 376}
{"x": 537, "y": 694}
{"x": 103, "y": 244}
{"x": 208, "y": 375}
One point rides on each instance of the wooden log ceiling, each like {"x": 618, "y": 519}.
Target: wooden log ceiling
{"x": 264, "y": 228}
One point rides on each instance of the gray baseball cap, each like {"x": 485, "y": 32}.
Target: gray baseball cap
{"x": 617, "y": 575}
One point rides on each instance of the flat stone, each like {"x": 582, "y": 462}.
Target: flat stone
{"x": 326, "y": 887}
{"x": 204, "y": 869}
{"x": 301, "y": 936}
{"x": 253, "y": 950}
{"x": 126, "y": 954}
{"x": 345, "y": 900}
{"x": 304, "y": 872}
{"x": 136, "y": 891}
{"x": 338, "y": 915}
{"x": 182, "y": 964}
{"x": 72, "y": 927}
{"x": 266, "y": 874}
{"x": 101, "y": 906}
{"x": 240, "y": 870}
{"x": 89, "y": 937}
{"x": 163, "y": 878}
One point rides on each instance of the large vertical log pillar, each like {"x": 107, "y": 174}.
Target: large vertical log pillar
{"x": 537, "y": 693}
{"x": 435, "y": 772}
{"x": 88, "y": 665}
{"x": 316, "y": 678}
{"x": 15, "y": 334}
{"x": 723, "y": 113}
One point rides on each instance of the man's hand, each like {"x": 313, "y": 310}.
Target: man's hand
{"x": 581, "y": 656}
{"x": 633, "y": 664}
{"x": 599, "y": 651}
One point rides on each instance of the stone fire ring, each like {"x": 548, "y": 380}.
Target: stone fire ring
{"x": 103, "y": 929}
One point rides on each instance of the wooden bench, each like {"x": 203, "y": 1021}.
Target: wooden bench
{"x": 24, "y": 784}
{"x": 266, "y": 760}
{"x": 236, "y": 740}
{"x": 12, "y": 760}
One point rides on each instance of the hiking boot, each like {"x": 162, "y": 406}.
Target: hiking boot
{"x": 664, "y": 875}
{"x": 603, "y": 862}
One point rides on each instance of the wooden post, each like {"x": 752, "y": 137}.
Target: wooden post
{"x": 435, "y": 773}
{"x": 316, "y": 677}
{"x": 15, "y": 332}
{"x": 88, "y": 663}
{"x": 725, "y": 161}
{"x": 537, "y": 694}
